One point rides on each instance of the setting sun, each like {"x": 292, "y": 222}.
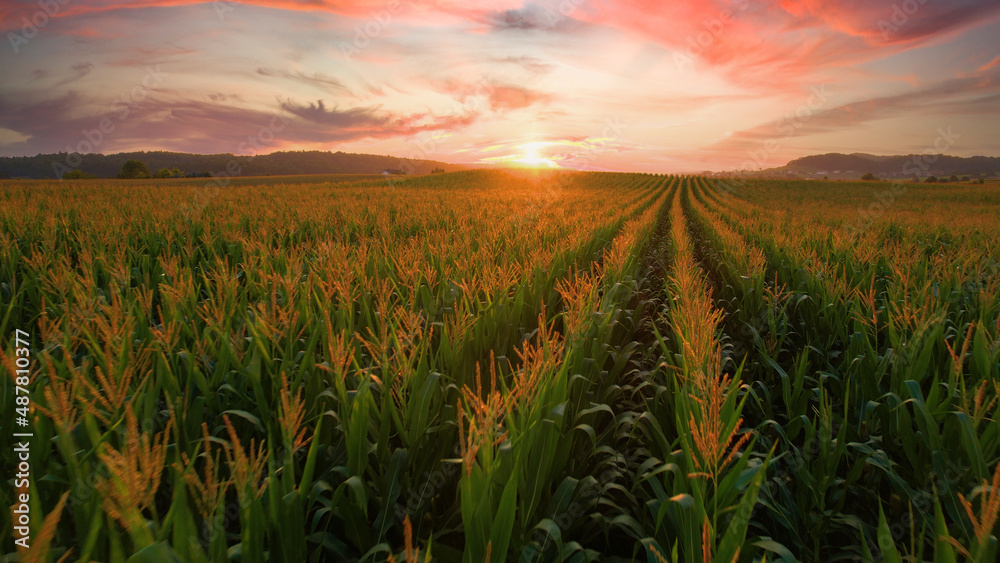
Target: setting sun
{"x": 531, "y": 159}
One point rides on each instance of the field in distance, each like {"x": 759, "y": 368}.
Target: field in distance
{"x": 219, "y": 180}
{"x": 505, "y": 366}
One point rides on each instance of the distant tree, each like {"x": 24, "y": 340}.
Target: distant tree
{"x": 930, "y": 179}
{"x": 953, "y": 178}
{"x": 869, "y": 176}
{"x": 825, "y": 178}
{"x": 437, "y": 170}
{"x": 169, "y": 173}
{"x": 77, "y": 174}
{"x": 965, "y": 178}
{"x": 134, "y": 169}
{"x": 982, "y": 180}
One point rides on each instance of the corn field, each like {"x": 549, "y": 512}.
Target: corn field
{"x": 490, "y": 366}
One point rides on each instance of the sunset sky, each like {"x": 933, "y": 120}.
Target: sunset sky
{"x": 621, "y": 85}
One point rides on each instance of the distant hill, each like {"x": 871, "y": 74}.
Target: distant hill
{"x": 904, "y": 166}
{"x": 274, "y": 164}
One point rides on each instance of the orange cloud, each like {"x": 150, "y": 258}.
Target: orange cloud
{"x": 499, "y": 96}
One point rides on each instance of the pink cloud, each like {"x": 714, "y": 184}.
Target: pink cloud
{"x": 771, "y": 44}
{"x": 992, "y": 64}
{"x": 766, "y": 44}
{"x": 890, "y": 21}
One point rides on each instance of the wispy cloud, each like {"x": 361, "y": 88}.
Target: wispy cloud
{"x": 531, "y": 64}
{"x": 316, "y": 79}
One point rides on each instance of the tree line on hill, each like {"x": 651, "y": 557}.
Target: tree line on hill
{"x": 132, "y": 170}
{"x": 868, "y": 177}
{"x": 903, "y": 166}
{"x": 58, "y": 165}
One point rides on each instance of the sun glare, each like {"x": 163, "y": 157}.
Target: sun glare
{"x": 531, "y": 159}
